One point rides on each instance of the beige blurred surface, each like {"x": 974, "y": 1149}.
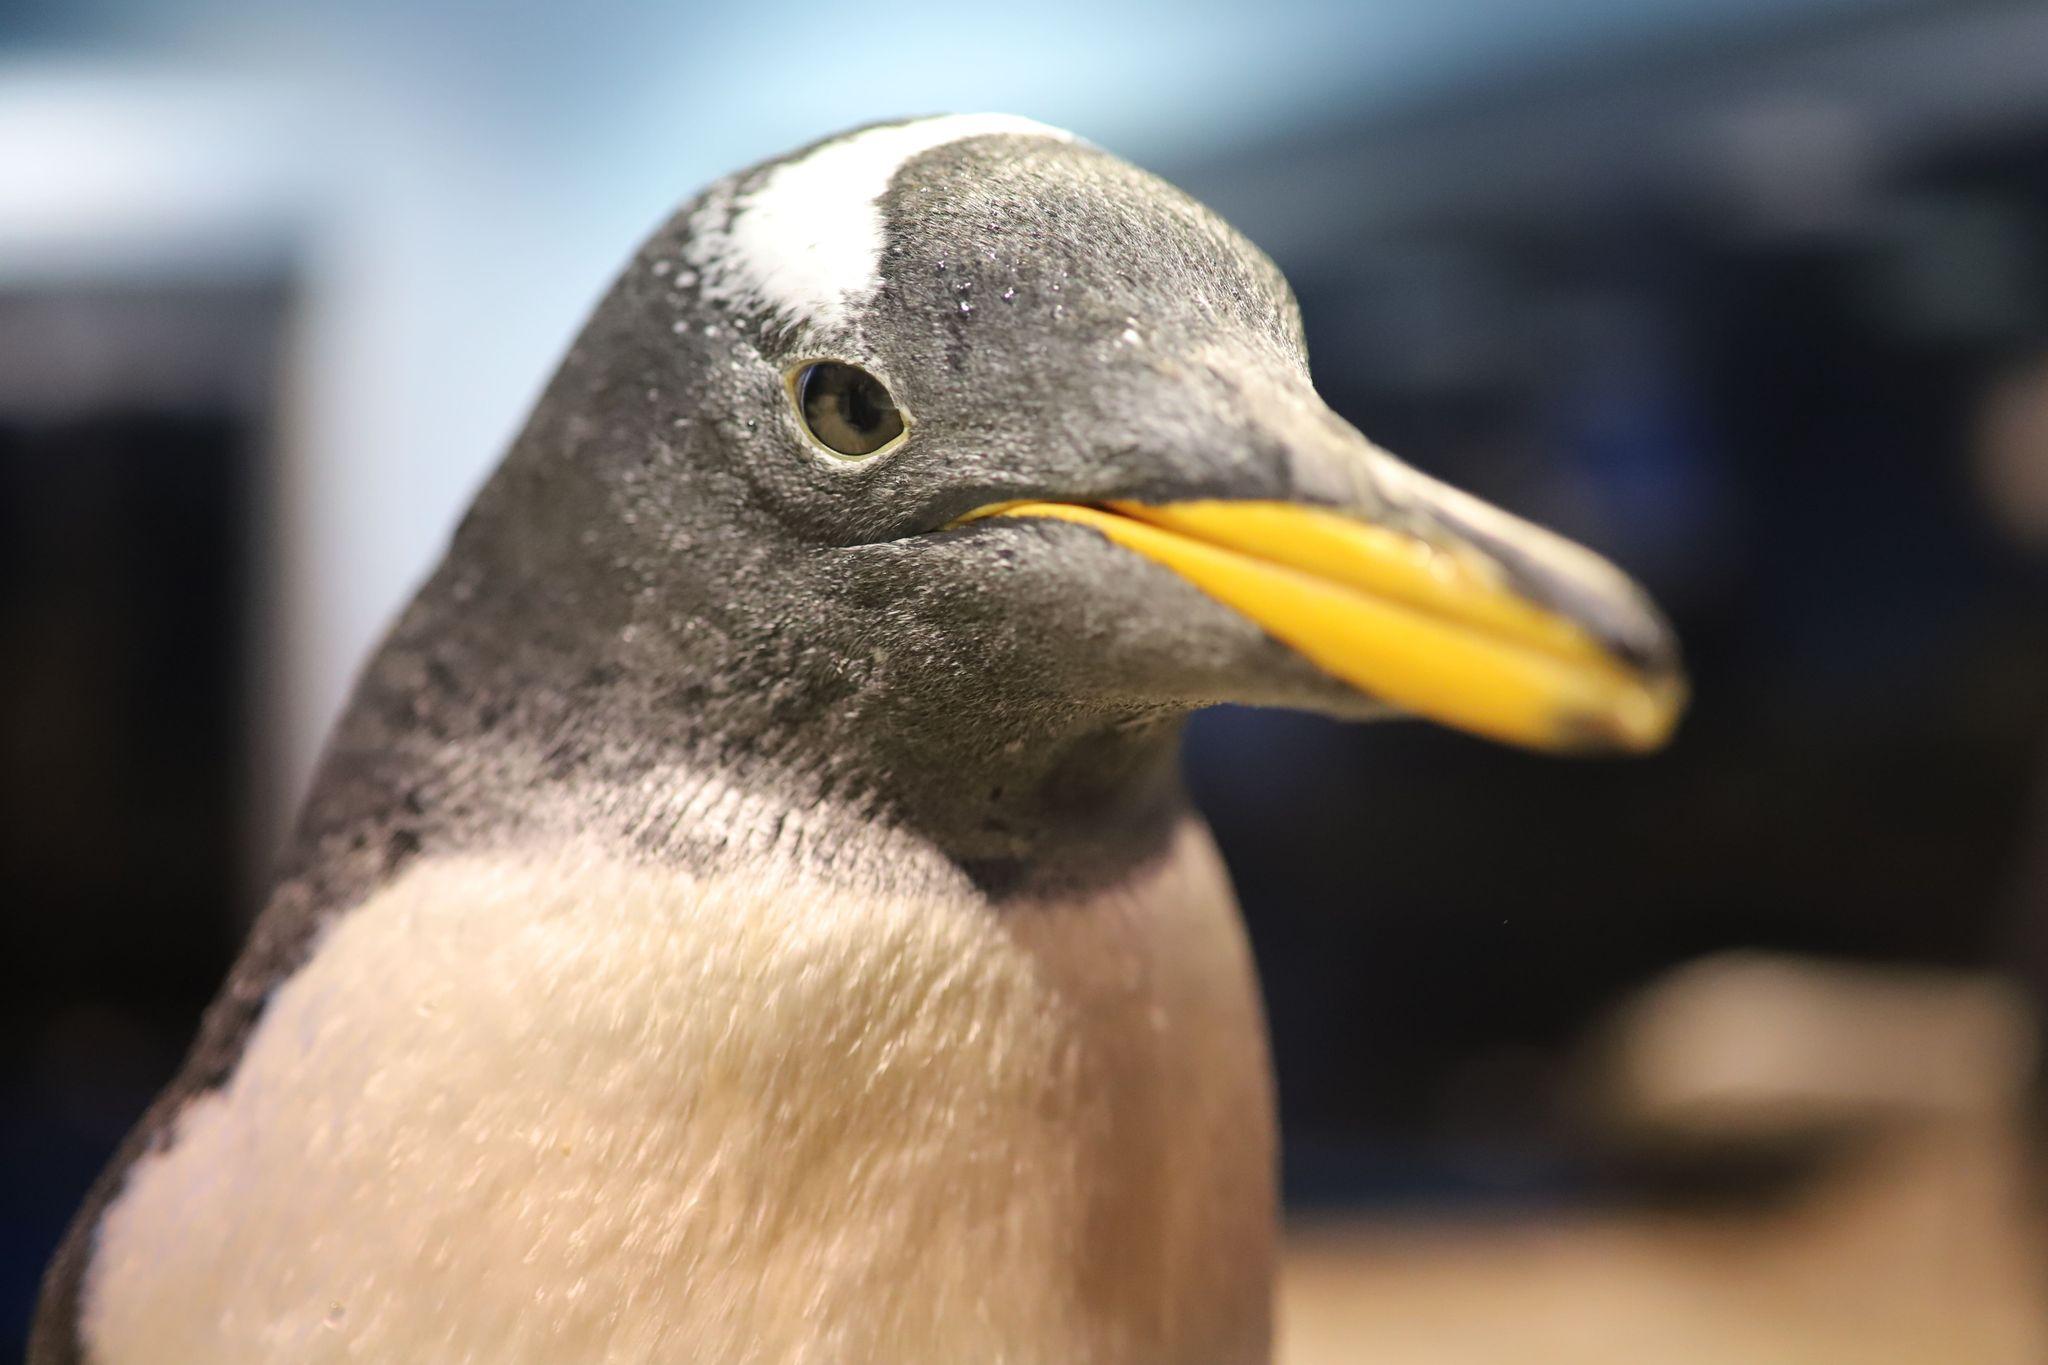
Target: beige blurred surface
{"x": 1918, "y": 1243}
{"x": 1917, "y": 1251}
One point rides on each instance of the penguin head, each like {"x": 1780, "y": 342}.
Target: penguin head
{"x": 966, "y": 423}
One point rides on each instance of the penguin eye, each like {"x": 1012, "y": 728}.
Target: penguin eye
{"x": 846, "y": 409}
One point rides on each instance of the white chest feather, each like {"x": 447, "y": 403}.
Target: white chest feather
{"x": 564, "y": 1107}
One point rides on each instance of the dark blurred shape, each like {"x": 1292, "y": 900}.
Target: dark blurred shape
{"x": 2012, "y": 452}
{"x": 1757, "y": 321}
{"x": 131, "y": 459}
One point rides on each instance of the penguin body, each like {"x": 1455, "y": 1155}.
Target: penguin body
{"x": 748, "y": 910}
{"x": 773, "y": 1118}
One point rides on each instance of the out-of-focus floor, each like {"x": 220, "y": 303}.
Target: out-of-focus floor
{"x": 1917, "y": 1250}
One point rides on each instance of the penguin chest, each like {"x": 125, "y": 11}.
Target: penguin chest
{"x": 564, "y": 1106}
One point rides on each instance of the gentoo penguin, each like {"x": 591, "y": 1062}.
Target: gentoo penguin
{"x": 747, "y": 912}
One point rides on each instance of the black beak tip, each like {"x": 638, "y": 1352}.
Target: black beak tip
{"x": 1628, "y": 625}
{"x": 1648, "y": 646}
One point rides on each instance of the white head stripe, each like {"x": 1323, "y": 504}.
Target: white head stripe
{"x": 806, "y": 241}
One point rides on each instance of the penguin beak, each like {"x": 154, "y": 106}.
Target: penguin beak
{"x": 1441, "y": 607}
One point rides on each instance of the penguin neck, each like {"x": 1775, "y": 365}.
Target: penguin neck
{"x": 1019, "y": 805}
{"x": 1025, "y": 804}
{"x": 470, "y": 730}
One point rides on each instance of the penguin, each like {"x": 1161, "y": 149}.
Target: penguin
{"x": 747, "y": 911}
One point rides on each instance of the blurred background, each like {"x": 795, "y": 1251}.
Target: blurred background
{"x": 1728, "y": 1054}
